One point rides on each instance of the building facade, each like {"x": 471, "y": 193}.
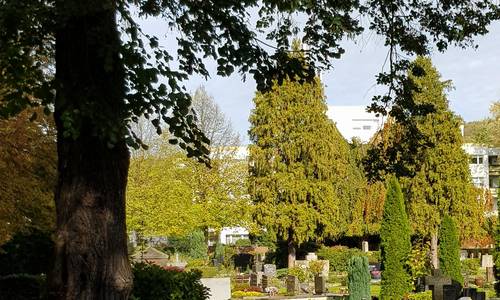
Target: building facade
{"x": 355, "y": 121}
{"x": 484, "y": 164}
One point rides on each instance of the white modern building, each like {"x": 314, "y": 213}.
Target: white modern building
{"x": 484, "y": 164}
{"x": 355, "y": 121}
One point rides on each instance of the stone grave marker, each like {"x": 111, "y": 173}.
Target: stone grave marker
{"x": 256, "y": 279}
{"x": 265, "y": 281}
{"x": 270, "y": 270}
{"x": 319, "y": 285}
{"x": 437, "y": 281}
{"x": 257, "y": 267}
{"x": 304, "y": 264}
{"x": 487, "y": 261}
{"x": 452, "y": 291}
{"x": 364, "y": 246}
{"x": 292, "y": 284}
{"x": 220, "y": 288}
{"x": 311, "y": 256}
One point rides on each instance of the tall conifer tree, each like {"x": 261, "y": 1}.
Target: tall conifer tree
{"x": 426, "y": 155}
{"x": 395, "y": 244}
{"x": 449, "y": 249}
{"x": 298, "y": 163}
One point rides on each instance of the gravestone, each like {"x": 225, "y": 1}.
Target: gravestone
{"x": 304, "y": 264}
{"x": 364, "y": 246}
{"x": 256, "y": 279}
{"x": 437, "y": 281}
{"x": 270, "y": 270}
{"x": 257, "y": 267}
{"x": 292, "y": 284}
{"x": 265, "y": 281}
{"x": 220, "y": 288}
{"x": 490, "y": 274}
{"x": 319, "y": 285}
{"x": 311, "y": 256}
{"x": 487, "y": 261}
{"x": 452, "y": 291}
{"x": 326, "y": 268}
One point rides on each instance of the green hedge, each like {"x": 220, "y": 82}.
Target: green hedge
{"x": 152, "y": 282}
{"x": 339, "y": 256}
{"x": 449, "y": 249}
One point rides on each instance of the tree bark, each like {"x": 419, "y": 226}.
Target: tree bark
{"x": 291, "y": 251}
{"x": 91, "y": 260}
{"x": 434, "y": 251}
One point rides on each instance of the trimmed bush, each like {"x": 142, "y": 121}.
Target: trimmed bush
{"x": 395, "y": 244}
{"x": 339, "y": 256}
{"x": 358, "y": 278}
{"x": 192, "y": 245}
{"x": 152, "y": 282}
{"x": 427, "y": 295}
{"x": 449, "y": 250}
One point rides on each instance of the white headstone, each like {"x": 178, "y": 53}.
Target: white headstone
{"x": 311, "y": 256}
{"x": 364, "y": 246}
{"x": 487, "y": 261}
{"x": 220, "y": 288}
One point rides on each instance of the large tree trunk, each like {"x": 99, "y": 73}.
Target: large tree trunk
{"x": 434, "y": 251}
{"x": 91, "y": 260}
{"x": 291, "y": 252}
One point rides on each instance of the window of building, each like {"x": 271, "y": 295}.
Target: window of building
{"x": 232, "y": 238}
{"x": 476, "y": 160}
{"x": 493, "y": 160}
{"x": 478, "y": 181}
{"x": 367, "y": 127}
{"x": 494, "y": 182}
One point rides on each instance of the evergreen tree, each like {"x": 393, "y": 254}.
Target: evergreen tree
{"x": 395, "y": 244}
{"x": 298, "y": 162}
{"x": 497, "y": 255}
{"x": 358, "y": 278}
{"x": 426, "y": 155}
{"x": 449, "y": 249}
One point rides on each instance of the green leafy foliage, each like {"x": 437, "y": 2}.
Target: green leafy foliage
{"x": 28, "y": 168}
{"x": 449, "y": 250}
{"x": 338, "y": 256}
{"x": 301, "y": 272}
{"x": 427, "y": 295}
{"x": 151, "y": 282}
{"x": 485, "y": 132}
{"x": 192, "y": 245}
{"x": 358, "y": 278}
{"x": 296, "y": 180}
{"x": 395, "y": 244}
{"x": 425, "y": 154}
{"x": 418, "y": 260}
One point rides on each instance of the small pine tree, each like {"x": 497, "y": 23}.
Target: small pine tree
{"x": 449, "y": 249}
{"x": 358, "y": 278}
{"x": 395, "y": 244}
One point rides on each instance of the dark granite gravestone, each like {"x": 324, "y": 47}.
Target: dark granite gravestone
{"x": 452, "y": 291}
{"x": 469, "y": 292}
{"x": 319, "y": 285}
{"x": 436, "y": 282}
{"x": 292, "y": 284}
{"x": 256, "y": 279}
{"x": 480, "y": 296}
{"x": 265, "y": 281}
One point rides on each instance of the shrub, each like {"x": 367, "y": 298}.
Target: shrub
{"x": 449, "y": 249}
{"x": 301, "y": 273}
{"x": 316, "y": 267}
{"x": 470, "y": 266}
{"x": 338, "y": 256}
{"x": 243, "y": 243}
{"x": 419, "y": 264}
{"x": 207, "y": 271}
{"x": 22, "y": 287}
{"x": 427, "y": 295}
{"x": 151, "y": 282}
{"x": 241, "y": 294}
{"x": 27, "y": 253}
{"x": 374, "y": 257}
{"x": 358, "y": 278}
{"x": 194, "y": 263}
{"x": 395, "y": 244}
{"x": 193, "y": 245}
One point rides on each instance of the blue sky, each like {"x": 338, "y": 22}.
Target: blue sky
{"x": 475, "y": 74}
